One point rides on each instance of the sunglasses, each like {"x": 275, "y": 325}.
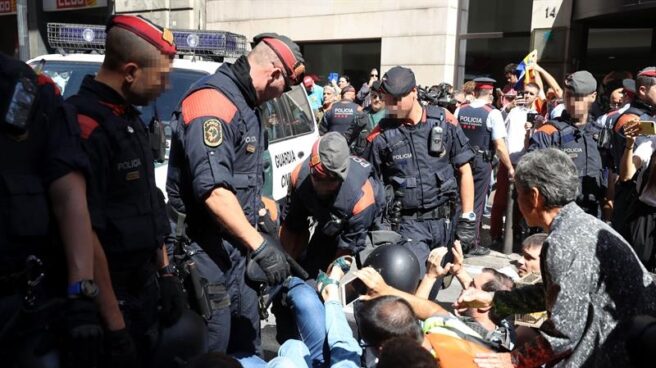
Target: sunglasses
{"x": 373, "y": 75}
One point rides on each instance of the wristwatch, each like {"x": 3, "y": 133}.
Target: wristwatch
{"x": 471, "y": 216}
{"x": 168, "y": 270}
{"x": 83, "y": 289}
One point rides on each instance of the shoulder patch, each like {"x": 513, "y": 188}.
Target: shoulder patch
{"x": 212, "y": 133}
{"x": 87, "y": 125}
{"x": 623, "y": 120}
{"x": 366, "y": 200}
{"x": 547, "y": 129}
{"x": 375, "y": 132}
{"x": 207, "y": 102}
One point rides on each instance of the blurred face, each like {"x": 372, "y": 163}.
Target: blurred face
{"x": 342, "y": 82}
{"x": 144, "y": 84}
{"x": 325, "y": 187}
{"x": 578, "y": 106}
{"x": 349, "y": 96}
{"x": 530, "y": 261}
{"x": 511, "y": 78}
{"x": 477, "y": 283}
{"x": 530, "y": 95}
{"x": 328, "y": 95}
{"x": 648, "y": 94}
{"x": 377, "y": 102}
{"x": 616, "y": 98}
{"x": 527, "y": 202}
{"x": 400, "y": 107}
{"x": 373, "y": 74}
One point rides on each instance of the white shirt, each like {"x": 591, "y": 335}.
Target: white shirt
{"x": 494, "y": 122}
{"x": 515, "y": 122}
{"x": 643, "y": 153}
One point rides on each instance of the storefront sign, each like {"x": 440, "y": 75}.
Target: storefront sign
{"x": 57, "y": 5}
{"x": 7, "y": 7}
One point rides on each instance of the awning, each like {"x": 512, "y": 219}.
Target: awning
{"x": 60, "y": 5}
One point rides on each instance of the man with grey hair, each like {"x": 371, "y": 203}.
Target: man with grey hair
{"x": 572, "y": 133}
{"x": 593, "y": 281}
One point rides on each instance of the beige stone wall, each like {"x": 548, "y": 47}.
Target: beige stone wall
{"x": 180, "y": 14}
{"x": 420, "y": 34}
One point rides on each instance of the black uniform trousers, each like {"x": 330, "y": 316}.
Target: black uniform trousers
{"x": 482, "y": 171}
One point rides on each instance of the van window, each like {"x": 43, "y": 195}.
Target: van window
{"x": 288, "y": 116}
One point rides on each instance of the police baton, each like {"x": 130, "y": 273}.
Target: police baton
{"x": 508, "y": 226}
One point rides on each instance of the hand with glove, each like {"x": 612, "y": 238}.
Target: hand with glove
{"x": 466, "y": 233}
{"x": 172, "y": 299}
{"x": 84, "y": 332}
{"x": 272, "y": 261}
{"x": 120, "y": 350}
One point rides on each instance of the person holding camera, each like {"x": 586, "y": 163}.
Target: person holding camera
{"x": 484, "y": 126}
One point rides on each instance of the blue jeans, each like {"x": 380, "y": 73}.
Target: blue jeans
{"x": 301, "y": 315}
{"x": 344, "y": 350}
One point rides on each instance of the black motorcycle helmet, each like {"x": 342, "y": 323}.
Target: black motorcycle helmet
{"x": 397, "y": 265}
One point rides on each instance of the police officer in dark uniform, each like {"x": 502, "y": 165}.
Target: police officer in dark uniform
{"x": 127, "y": 209}
{"x": 340, "y": 192}
{"x": 45, "y": 232}
{"x": 574, "y": 133}
{"x": 486, "y": 130}
{"x": 215, "y": 178}
{"x": 426, "y": 162}
{"x": 342, "y": 114}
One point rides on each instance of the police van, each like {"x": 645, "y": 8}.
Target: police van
{"x": 289, "y": 119}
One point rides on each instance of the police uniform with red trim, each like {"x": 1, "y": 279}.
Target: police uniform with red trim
{"x": 424, "y": 183}
{"x": 39, "y": 144}
{"x": 127, "y": 209}
{"x": 581, "y": 146}
{"x": 343, "y": 220}
{"x": 218, "y": 141}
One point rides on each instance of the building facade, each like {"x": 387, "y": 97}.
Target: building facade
{"x": 441, "y": 40}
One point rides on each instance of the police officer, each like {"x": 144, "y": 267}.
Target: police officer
{"x": 127, "y": 209}
{"x": 574, "y": 133}
{"x": 45, "y": 232}
{"x": 342, "y": 114}
{"x": 340, "y": 192}
{"x": 215, "y": 178}
{"x": 486, "y": 130}
{"x": 426, "y": 162}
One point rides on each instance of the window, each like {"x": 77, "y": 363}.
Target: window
{"x": 287, "y": 116}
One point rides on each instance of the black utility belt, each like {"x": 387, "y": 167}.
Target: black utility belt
{"x": 487, "y": 155}
{"x": 441, "y": 212}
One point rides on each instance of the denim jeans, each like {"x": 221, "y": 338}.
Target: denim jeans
{"x": 301, "y": 316}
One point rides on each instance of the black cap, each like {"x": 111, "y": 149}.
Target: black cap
{"x": 376, "y": 85}
{"x": 398, "y": 81}
{"x": 581, "y": 83}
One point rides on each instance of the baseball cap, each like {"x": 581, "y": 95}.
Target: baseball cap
{"x": 161, "y": 38}
{"x": 398, "y": 81}
{"x": 581, "y": 83}
{"x": 288, "y": 52}
{"x": 330, "y": 154}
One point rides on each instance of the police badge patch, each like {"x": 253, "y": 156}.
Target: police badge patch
{"x": 212, "y": 133}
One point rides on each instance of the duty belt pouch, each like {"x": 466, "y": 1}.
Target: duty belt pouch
{"x": 488, "y": 155}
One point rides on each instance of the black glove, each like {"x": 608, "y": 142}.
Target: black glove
{"x": 171, "y": 299}
{"x": 84, "y": 332}
{"x": 120, "y": 350}
{"x": 466, "y": 233}
{"x": 272, "y": 261}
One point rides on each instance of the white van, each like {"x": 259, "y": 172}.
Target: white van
{"x": 289, "y": 120}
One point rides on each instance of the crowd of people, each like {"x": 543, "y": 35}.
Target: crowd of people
{"x": 96, "y": 270}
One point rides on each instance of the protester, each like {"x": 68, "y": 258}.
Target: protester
{"x": 364, "y": 94}
{"x": 314, "y": 92}
{"x": 587, "y": 315}
{"x": 329, "y": 97}
{"x": 530, "y": 261}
